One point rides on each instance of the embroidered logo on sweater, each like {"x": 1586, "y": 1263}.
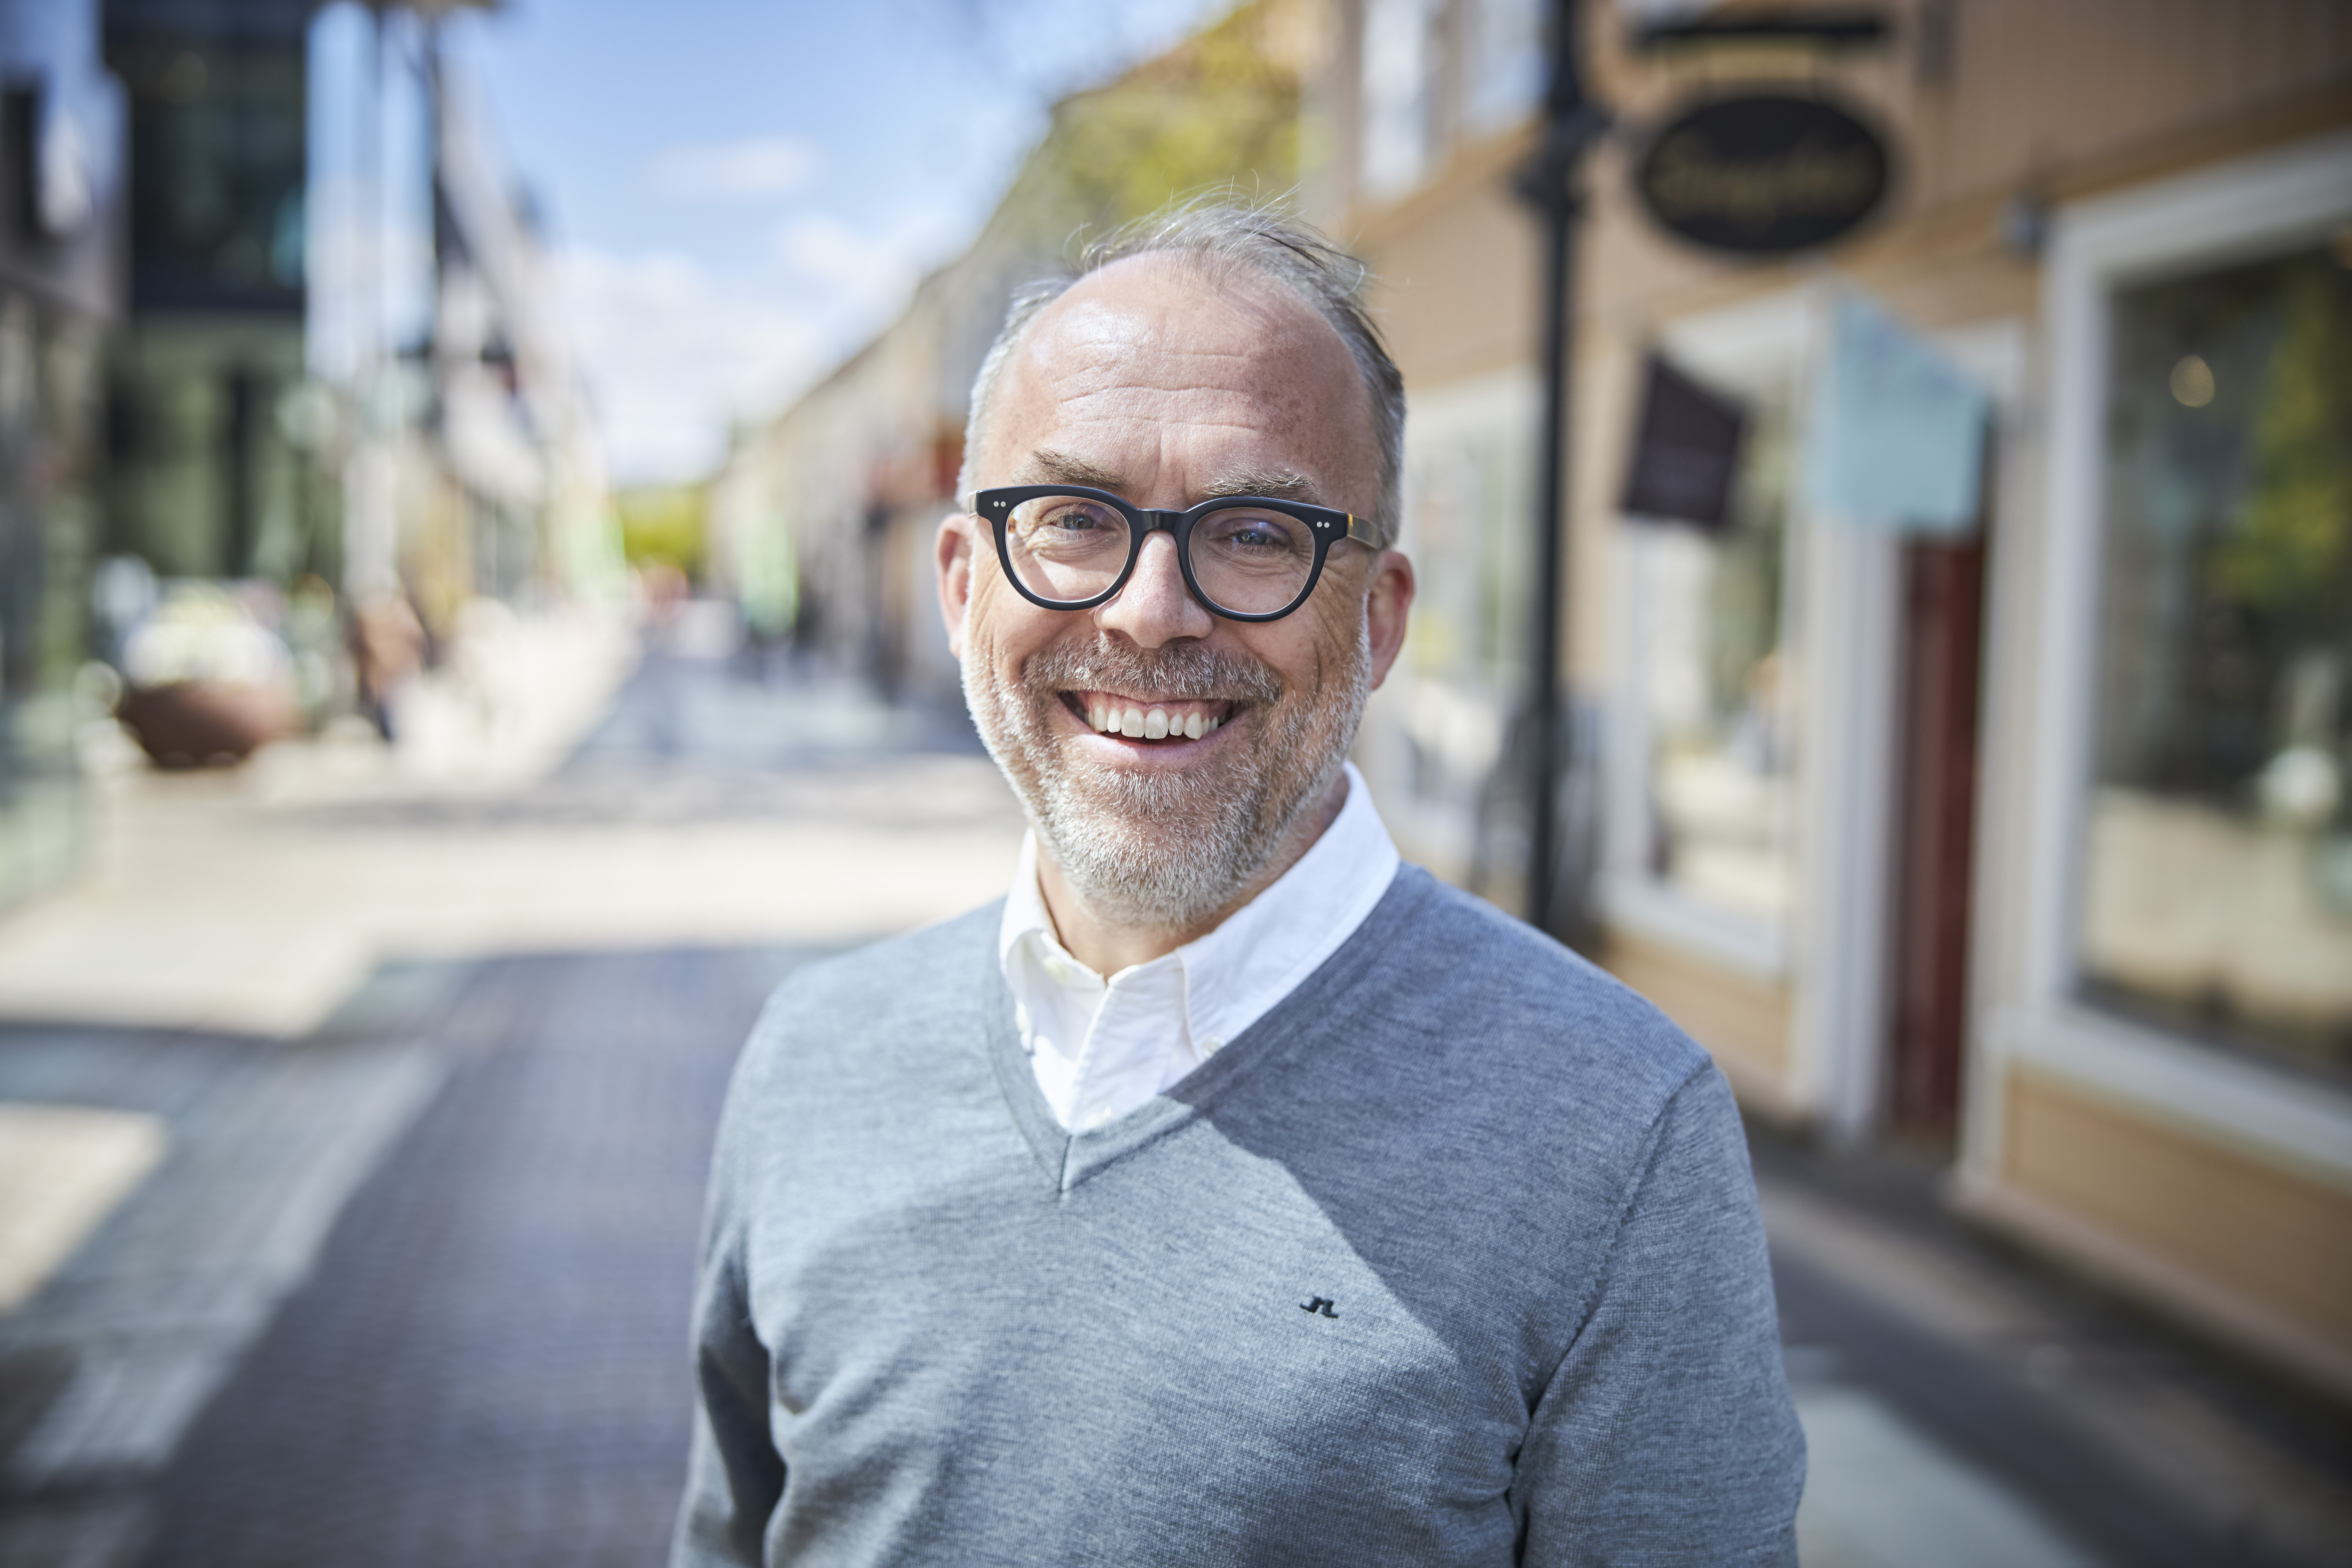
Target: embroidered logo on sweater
{"x": 1322, "y": 1304}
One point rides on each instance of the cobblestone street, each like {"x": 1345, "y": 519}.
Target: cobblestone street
{"x": 487, "y": 1365}
{"x": 408, "y": 1282}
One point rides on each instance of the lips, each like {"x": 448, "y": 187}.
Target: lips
{"x": 1149, "y": 717}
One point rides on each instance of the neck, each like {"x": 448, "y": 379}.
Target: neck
{"x": 1104, "y": 943}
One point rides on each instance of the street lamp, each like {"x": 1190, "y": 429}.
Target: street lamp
{"x": 1548, "y": 183}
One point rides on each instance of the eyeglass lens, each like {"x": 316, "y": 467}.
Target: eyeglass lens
{"x": 1247, "y": 560}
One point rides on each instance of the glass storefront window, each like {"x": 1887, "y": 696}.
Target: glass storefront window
{"x": 49, "y": 362}
{"x": 2217, "y": 874}
{"x": 1467, "y": 494}
{"x": 1717, "y": 689}
{"x": 1505, "y": 70}
{"x": 1398, "y": 77}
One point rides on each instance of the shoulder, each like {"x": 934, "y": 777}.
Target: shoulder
{"x": 1500, "y": 1002}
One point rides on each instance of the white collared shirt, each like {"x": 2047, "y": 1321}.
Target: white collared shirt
{"x": 1100, "y": 1049}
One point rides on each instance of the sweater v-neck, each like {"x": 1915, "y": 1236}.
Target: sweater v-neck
{"x": 1068, "y": 1159}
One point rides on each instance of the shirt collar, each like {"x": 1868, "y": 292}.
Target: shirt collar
{"x": 1260, "y": 952}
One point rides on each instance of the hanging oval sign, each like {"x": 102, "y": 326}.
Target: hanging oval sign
{"x": 1763, "y": 175}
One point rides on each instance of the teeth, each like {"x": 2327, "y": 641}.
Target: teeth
{"x": 1148, "y": 724}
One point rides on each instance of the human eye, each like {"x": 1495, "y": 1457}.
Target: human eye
{"x": 1072, "y": 516}
{"x": 1068, "y": 526}
{"x": 1250, "y": 534}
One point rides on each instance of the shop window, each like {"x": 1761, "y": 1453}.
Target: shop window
{"x": 1468, "y": 502}
{"x": 1505, "y": 65}
{"x": 1715, "y": 690}
{"x": 2216, "y": 893}
{"x": 1399, "y": 102}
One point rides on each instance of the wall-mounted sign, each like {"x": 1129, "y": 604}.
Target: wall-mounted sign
{"x": 1763, "y": 173}
{"x": 1685, "y": 451}
{"x": 1897, "y": 436}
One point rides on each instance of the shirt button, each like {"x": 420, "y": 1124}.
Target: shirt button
{"x": 1059, "y": 970}
{"x": 1096, "y": 1119}
{"x": 1212, "y": 1046}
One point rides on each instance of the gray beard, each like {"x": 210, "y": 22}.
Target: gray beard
{"x": 1165, "y": 851}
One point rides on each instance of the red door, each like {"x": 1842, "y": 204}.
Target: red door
{"x": 1943, "y": 639}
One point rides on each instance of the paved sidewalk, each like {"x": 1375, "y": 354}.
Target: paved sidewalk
{"x": 105, "y": 1369}
{"x": 489, "y": 1364}
{"x": 1965, "y": 1405}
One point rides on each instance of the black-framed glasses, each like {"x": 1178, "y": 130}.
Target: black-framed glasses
{"x": 1247, "y": 558}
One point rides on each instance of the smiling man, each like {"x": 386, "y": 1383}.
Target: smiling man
{"x": 1231, "y": 1192}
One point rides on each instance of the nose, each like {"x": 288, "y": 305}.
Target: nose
{"x": 1155, "y": 608}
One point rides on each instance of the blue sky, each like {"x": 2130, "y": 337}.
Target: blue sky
{"x": 741, "y": 194}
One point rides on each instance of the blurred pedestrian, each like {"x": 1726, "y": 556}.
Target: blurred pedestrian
{"x": 388, "y": 647}
{"x": 1230, "y": 1192}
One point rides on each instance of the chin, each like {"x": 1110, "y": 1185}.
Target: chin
{"x": 1162, "y": 834}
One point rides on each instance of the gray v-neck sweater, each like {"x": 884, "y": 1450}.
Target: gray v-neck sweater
{"x": 1451, "y": 1257}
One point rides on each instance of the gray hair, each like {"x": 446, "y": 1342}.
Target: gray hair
{"x": 1224, "y": 240}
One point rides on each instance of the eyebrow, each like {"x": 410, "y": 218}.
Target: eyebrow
{"x": 1275, "y": 484}
{"x": 1046, "y": 466}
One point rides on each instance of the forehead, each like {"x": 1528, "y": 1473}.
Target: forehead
{"x": 1150, "y": 362}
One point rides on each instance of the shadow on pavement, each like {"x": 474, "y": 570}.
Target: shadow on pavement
{"x": 488, "y": 1365}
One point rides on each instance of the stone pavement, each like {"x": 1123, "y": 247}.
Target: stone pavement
{"x": 488, "y": 1364}
{"x": 407, "y": 1279}
{"x": 104, "y": 1370}
{"x": 1965, "y": 1405}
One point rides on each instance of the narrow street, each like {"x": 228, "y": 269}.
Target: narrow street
{"x": 408, "y": 1280}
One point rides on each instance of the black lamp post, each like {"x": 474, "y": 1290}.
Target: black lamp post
{"x": 1548, "y": 181}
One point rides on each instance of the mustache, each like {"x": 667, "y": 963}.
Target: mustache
{"x": 1181, "y": 671}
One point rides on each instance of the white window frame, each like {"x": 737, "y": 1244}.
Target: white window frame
{"x": 1505, "y": 406}
{"x": 2251, "y": 208}
{"x": 1502, "y": 78}
{"x": 1399, "y": 92}
{"x": 1777, "y": 327}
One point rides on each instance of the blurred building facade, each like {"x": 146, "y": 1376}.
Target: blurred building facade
{"x": 517, "y": 507}
{"x": 62, "y": 194}
{"x": 197, "y": 508}
{"x": 302, "y": 518}
{"x": 2033, "y": 834}
{"x": 207, "y": 476}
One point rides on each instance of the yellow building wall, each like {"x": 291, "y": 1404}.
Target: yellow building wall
{"x": 1742, "y": 1021}
{"x": 1455, "y": 270}
{"x": 2247, "y": 1247}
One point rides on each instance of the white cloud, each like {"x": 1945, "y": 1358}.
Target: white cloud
{"x": 864, "y": 273}
{"x": 756, "y": 168}
{"x": 673, "y": 355}
{"x": 868, "y": 273}
{"x": 674, "y": 352}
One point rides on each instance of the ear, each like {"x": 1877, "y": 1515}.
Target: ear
{"x": 1388, "y": 600}
{"x": 953, "y": 552}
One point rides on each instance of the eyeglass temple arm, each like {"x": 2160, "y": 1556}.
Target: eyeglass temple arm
{"x": 1361, "y": 530}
